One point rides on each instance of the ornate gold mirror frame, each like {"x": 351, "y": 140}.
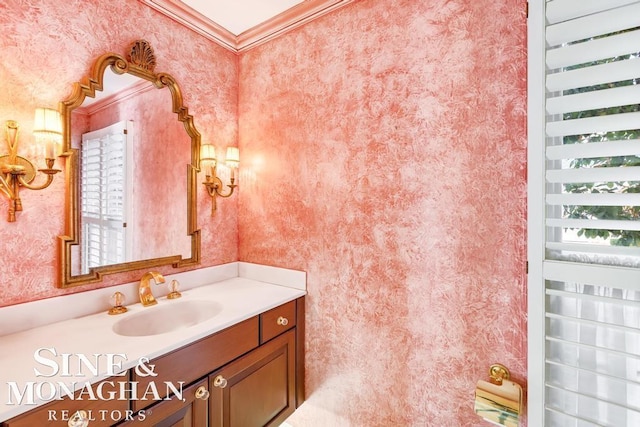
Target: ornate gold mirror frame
{"x": 140, "y": 63}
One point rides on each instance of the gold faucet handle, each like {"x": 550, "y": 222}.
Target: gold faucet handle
{"x": 174, "y": 290}
{"x": 117, "y": 300}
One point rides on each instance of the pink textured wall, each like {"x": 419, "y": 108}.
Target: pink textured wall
{"x": 168, "y": 164}
{"x": 48, "y": 45}
{"x": 383, "y": 152}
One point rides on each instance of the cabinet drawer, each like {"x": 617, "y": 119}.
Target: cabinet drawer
{"x": 277, "y": 320}
{"x": 99, "y": 412}
{"x": 196, "y": 360}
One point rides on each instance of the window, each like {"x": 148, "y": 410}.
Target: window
{"x": 584, "y": 213}
{"x": 104, "y": 158}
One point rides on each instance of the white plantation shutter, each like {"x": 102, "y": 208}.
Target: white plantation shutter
{"x": 584, "y": 224}
{"x": 103, "y": 162}
{"x": 583, "y": 38}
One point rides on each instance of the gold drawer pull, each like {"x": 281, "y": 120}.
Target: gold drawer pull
{"x": 219, "y": 381}
{"x": 202, "y": 393}
{"x": 282, "y": 321}
{"x": 79, "y": 419}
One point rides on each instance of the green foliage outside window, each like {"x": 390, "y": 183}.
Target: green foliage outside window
{"x": 615, "y": 237}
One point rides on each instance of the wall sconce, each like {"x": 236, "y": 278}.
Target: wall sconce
{"x": 17, "y": 171}
{"x": 213, "y": 183}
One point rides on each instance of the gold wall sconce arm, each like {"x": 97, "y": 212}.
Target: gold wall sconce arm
{"x": 17, "y": 171}
{"x": 212, "y": 182}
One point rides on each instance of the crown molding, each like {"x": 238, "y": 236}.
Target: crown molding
{"x": 280, "y": 24}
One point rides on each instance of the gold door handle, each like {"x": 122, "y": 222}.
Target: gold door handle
{"x": 79, "y": 419}
{"x": 202, "y": 393}
{"x": 219, "y": 381}
{"x": 282, "y": 321}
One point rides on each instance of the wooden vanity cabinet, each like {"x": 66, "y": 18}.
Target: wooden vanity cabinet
{"x": 261, "y": 387}
{"x": 250, "y": 374}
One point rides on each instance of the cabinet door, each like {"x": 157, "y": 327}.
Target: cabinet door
{"x": 257, "y": 389}
{"x": 192, "y": 412}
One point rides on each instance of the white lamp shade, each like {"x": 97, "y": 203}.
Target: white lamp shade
{"x": 47, "y": 123}
{"x": 233, "y": 157}
{"x": 207, "y": 153}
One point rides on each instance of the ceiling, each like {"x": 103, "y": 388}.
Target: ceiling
{"x": 239, "y": 25}
{"x": 237, "y": 16}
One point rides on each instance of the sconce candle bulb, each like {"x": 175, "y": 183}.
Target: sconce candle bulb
{"x": 232, "y": 160}
{"x": 17, "y": 171}
{"x": 212, "y": 182}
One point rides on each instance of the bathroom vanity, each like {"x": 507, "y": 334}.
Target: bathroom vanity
{"x": 243, "y": 366}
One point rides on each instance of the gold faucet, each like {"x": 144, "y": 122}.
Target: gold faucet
{"x": 146, "y": 296}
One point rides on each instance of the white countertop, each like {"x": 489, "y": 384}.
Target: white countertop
{"x": 239, "y": 298}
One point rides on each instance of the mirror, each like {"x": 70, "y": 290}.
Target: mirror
{"x": 132, "y": 155}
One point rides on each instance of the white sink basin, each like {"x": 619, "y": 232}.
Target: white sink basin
{"x": 168, "y": 317}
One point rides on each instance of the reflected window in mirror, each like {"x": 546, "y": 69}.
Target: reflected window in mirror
{"x": 106, "y": 191}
